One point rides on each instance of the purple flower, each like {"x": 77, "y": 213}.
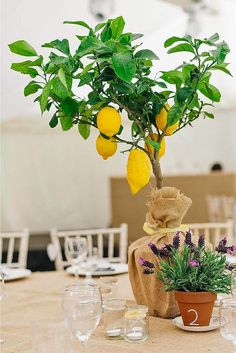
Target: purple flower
{"x": 148, "y": 271}
{"x": 145, "y": 263}
{"x": 154, "y": 249}
{"x": 176, "y": 241}
{"x": 188, "y": 238}
{"x": 193, "y": 263}
{"x": 201, "y": 241}
{"x": 230, "y": 249}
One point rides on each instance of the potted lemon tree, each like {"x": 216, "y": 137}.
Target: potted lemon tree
{"x": 119, "y": 77}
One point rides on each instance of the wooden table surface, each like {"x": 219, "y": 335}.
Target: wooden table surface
{"x": 39, "y": 297}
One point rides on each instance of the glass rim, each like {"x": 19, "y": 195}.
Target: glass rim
{"x": 78, "y": 286}
{"x": 140, "y": 307}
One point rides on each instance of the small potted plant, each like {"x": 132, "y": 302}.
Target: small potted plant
{"x": 195, "y": 273}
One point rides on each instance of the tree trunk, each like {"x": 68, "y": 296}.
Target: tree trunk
{"x": 156, "y": 167}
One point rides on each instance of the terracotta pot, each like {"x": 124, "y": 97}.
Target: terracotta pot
{"x": 195, "y": 307}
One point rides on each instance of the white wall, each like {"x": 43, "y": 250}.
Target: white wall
{"x": 53, "y": 178}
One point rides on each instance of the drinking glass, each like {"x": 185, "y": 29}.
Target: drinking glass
{"x": 136, "y": 323}
{"x": 1, "y": 292}
{"x": 82, "y": 306}
{"x": 112, "y": 282}
{"x": 233, "y": 283}
{"x": 114, "y": 311}
{"x": 228, "y": 320}
{"x": 75, "y": 251}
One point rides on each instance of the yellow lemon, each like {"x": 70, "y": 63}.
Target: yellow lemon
{"x": 138, "y": 170}
{"x": 108, "y": 121}
{"x": 162, "y": 149}
{"x": 106, "y": 147}
{"x": 161, "y": 121}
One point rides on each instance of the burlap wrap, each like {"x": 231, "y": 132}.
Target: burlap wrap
{"x": 166, "y": 209}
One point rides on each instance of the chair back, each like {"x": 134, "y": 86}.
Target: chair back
{"x": 220, "y": 208}
{"x": 14, "y": 242}
{"x": 105, "y": 238}
{"x": 214, "y": 232}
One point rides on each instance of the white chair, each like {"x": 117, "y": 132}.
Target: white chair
{"x": 214, "y": 232}
{"x": 12, "y": 242}
{"x": 102, "y": 238}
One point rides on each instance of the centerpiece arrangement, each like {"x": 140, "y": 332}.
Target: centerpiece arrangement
{"x": 119, "y": 77}
{"x": 195, "y": 273}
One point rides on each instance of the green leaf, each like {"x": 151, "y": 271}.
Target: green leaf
{"x": 209, "y": 91}
{"x": 214, "y": 37}
{"x": 44, "y": 96}
{"x": 61, "y": 45}
{"x": 106, "y": 33}
{"x": 221, "y": 52}
{"x": 59, "y": 89}
{"x": 91, "y": 44}
{"x": 62, "y": 77}
{"x": 180, "y": 48}
{"x": 136, "y": 36}
{"x": 146, "y": 54}
{"x": 58, "y": 60}
{"x": 183, "y": 93}
{"x": 221, "y": 68}
{"x": 124, "y": 65}
{"x": 24, "y": 68}
{"x": 173, "y": 40}
{"x": 66, "y": 121}
{"x": 54, "y": 121}
{"x": 209, "y": 115}
{"x": 79, "y": 23}
{"x": 84, "y": 129}
{"x": 69, "y": 106}
{"x": 161, "y": 84}
{"x": 126, "y": 38}
{"x": 117, "y": 26}
{"x": 31, "y": 88}
{"x": 174, "y": 114}
{"x": 100, "y": 26}
{"x": 188, "y": 71}
{"x": 172, "y": 77}
{"x": 154, "y": 144}
{"x": 21, "y": 47}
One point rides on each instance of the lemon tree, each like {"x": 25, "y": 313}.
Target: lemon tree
{"x": 118, "y": 73}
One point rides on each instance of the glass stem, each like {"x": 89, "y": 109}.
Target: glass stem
{"x": 84, "y": 343}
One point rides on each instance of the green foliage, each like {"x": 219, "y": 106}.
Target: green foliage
{"x": 117, "y": 72}
{"x": 176, "y": 273}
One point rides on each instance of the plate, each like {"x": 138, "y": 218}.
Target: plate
{"x": 11, "y": 274}
{"x": 214, "y": 324}
{"x": 231, "y": 259}
{"x": 105, "y": 269}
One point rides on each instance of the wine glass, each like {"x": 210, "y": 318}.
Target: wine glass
{"x": 82, "y": 305}
{"x": 75, "y": 251}
{"x": 228, "y": 320}
{"x": 1, "y": 292}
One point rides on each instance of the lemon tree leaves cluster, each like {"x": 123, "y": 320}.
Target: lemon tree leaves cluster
{"x": 118, "y": 73}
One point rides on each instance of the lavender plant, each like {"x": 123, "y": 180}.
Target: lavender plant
{"x": 191, "y": 268}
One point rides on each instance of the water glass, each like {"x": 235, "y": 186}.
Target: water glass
{"x": 82, "y": 305}
{"x": 136, "y": 323}
{"x": 75, "y": 251}
{"x": 228, "y": 320}
{"x": 113, "y": 316}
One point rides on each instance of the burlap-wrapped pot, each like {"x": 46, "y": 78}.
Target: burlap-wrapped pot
{"x": 166, "y": 210}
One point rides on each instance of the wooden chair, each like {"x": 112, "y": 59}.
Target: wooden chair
{"x": 102, "y": 238}
{"x": 12, "y": 242}
{"x": 214, "y": 232}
